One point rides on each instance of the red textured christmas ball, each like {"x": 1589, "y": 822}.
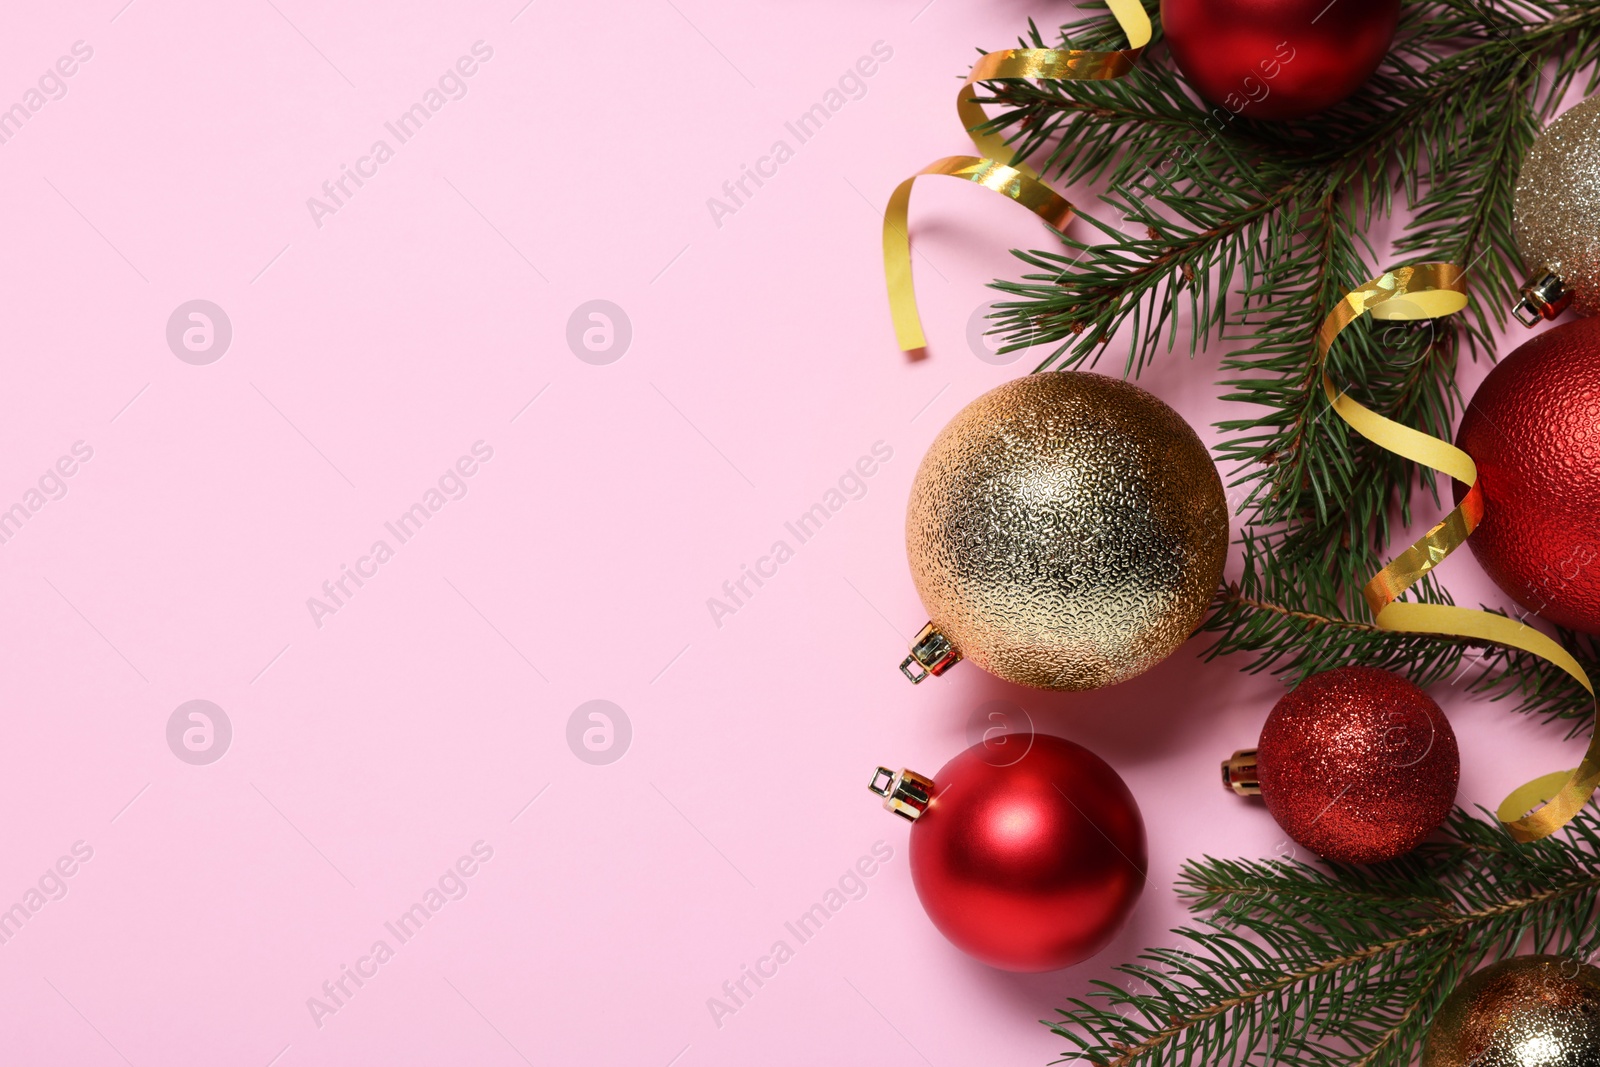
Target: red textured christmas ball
{"x": 1277, "y": 59}
{"x": 1027, "y": 863}
{"x": 1356, "y": 764}
{"x": 1533, "y": 429}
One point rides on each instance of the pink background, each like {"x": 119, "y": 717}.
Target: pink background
{"x": 368, "y": 354}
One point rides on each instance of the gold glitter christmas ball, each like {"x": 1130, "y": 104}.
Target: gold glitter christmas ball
{"x": 1529, "y": 1011}
{"x": 1065, "y": 531}
{"x": 1557, "y": 206}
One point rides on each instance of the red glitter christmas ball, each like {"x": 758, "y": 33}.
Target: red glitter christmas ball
{"x": 1277, "y": 59}
{"x": 1533, "y": 429}
{"x": 1030, "y": 863}
{"x": 1358, "y": 765}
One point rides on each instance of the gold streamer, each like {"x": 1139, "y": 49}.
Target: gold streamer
{"x": 1015, "y": 180}
{"x": 1432, "y": 290}
{"x": 1030, "y": 192}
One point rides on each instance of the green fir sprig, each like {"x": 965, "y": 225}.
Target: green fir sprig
{"x": 1253, "y": 616}
{"x": 1210, "y": 228}
{"x": 1293, "y": 964}
{"x": 1222, "y": 228}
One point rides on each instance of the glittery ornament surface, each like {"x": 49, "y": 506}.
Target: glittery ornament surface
{"x": 1533, "y": 429}
{"x": 1067, "y": 530}
{"x": 1557, "y": 204}
{"x": 1530, "y": 1011}
{"x": 1358, "y": 765}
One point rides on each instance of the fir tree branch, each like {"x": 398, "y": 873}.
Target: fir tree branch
{"x": 1296, "y": 964}
{"x": 1263, "y": 616}
{"x": 1255, "y": 230}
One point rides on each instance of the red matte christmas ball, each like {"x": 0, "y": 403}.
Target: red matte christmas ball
{"x": 1277, "y": 59}
{"x": 1028, "y": 863}
{"x": 1533, "y": 429}
{"x": 1356, "y": 764}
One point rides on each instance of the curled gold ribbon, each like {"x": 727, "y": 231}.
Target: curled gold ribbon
{"x": 1432, "y": 290}
{"x": 1049, "y": 64}
{"x": 1015, "y": 180}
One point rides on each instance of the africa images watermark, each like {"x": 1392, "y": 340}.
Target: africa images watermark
{"x": 51, "y": 886}
{"x": 451, "y": 885}
{"x": 852, "y": 85}
{"x": 1251, "y": 90}
{"x": 52, "y": 85}
{"x": 199, "y": 732}
{"x": 852, "y": 485}
{"x": 1552, "y": 581}
{"x": 452, "y": 485}
{"x": 51, "y": 486}
{"x": 851, "y": 885}
{"x": 452, "y": 85}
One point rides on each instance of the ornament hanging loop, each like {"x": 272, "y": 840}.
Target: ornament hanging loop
{"x": 906, "y": 793}
{"x": 931, "y": 655}
{"x": 1542, "y": 299}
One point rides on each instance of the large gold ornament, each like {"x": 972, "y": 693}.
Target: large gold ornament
{"x": 1529, "y": 1011}
{"x": 1557, "y": 216}
{"x": 1065, "y": 531}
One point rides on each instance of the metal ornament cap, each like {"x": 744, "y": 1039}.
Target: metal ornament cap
{"x": 1528, "y": 1011}
{"x": 1066, "y": 531}
{"x": 931, "y": 655}
{"x": 1543, "y": 298}
{"x": 1240, "y": 773}
{"x": 1556, "y": 212}
{"x": 906, "y": 793}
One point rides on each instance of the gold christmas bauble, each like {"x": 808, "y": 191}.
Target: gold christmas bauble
{"x": 1528, "y": 1011}
{"x": 1556, "y": 214}
{"x": 1065, "y": 531}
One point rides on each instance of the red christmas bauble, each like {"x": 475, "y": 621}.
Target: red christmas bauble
{"x": 1030, "y": 863}
{"x": 1533, "y": 429}
{"x": 1358, "y": 765}
{"x": 1277, "y": 59}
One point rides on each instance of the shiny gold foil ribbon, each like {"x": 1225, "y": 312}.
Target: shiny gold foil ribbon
{"x": 1432, "y": 290}
{"x": 1015, "y": 180}
{"x": 1030, "y": 192}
